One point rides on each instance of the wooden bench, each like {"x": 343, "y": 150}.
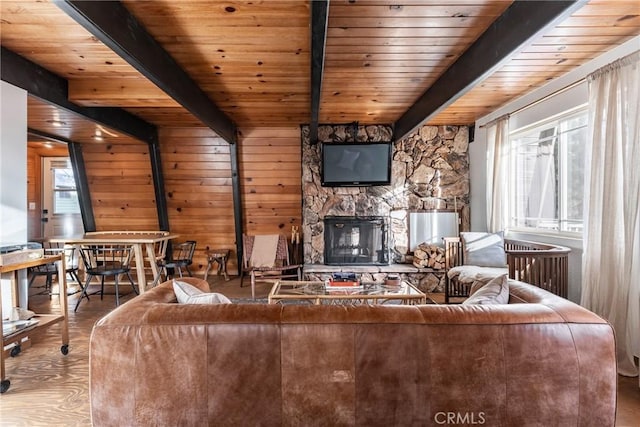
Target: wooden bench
{"x": 540, "y": 264}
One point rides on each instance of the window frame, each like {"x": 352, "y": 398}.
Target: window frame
{"x": 55, "y": 191}
{"x": 563, "y": 185}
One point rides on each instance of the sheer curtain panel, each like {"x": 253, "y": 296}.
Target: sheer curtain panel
{"x": 497, "y": 173}
{"x": 611, "y": 257}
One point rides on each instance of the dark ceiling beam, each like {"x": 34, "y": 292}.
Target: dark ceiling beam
{"x": 82, "y": 186}
{"x": 117, "y": 28}
{"x": 522, "y": 21}
{"x": 158, "y": 187}
{"x": 319, "y": 23}
{"x": 35, "y": 133}
{"x": 79, "y": 175}
{"x": 237, "y": 205}
{"x": 52, "y": 89}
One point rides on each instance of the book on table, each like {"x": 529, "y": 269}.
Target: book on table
{"x": 343, "y": 280}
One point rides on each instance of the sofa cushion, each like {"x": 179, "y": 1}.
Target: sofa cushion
{"x": 483, "y": 249}
{"x": 188, "y": 294}
{"x": 473, "y": 273}
{"x": 496, "y": 291}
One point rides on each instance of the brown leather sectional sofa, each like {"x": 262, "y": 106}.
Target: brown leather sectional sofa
{"x": 540, "y": 360}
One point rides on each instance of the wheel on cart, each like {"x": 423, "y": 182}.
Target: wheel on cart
{"x": 16, "y": 350}
{"x": 4, "y": 385}
{"x": 64, "y": 349}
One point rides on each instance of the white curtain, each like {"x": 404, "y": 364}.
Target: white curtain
{"x": 497, "y": 173}
{"x": 611, "y": 258}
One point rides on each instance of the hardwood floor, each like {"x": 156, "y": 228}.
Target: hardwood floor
{"x": 49, "y": 389}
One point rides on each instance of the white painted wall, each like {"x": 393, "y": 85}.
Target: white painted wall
{"x": 13, "y": 178}
{"x": 13, "y": 164}
{"x": 535, "y": 112}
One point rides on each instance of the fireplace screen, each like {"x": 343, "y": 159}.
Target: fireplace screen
{"x": 355, "y": 241}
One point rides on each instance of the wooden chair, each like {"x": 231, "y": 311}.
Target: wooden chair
{"x": 257, "y": 266}
{"x": 51, "y": 270}
{"x": 159, "y": 248}
{"x": 106, "y": 260}
{"x": 181, "y": 257}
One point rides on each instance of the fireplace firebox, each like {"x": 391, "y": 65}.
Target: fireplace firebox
{"x": 355, "y": 241}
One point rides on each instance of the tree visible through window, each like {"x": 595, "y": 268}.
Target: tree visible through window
{"x": 547, "y": 169}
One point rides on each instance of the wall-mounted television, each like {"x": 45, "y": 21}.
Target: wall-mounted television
{"x": 356, "y": 165}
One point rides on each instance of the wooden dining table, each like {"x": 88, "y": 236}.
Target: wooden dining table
{"x": 138, "y": 240}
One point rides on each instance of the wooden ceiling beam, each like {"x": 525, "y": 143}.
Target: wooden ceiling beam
{"x": 35, "y": 133}
{"x": 319, "y": 23}
{"x": 117, "y": 28}
{"x": 522, "y": 21}
{"x": 53, "y": 89}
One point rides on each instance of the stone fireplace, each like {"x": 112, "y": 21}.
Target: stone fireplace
{"x": 355, "y": 241}
{"x": 430, "y": 170}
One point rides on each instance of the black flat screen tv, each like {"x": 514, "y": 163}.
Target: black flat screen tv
{"x": 356, "y": 165}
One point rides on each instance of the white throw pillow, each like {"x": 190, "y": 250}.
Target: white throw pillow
{"x": 211, "y": 298}
{"x": 483, "y": 249}
{"x": 189, "y": 294}
{"x": 496, "y": 291}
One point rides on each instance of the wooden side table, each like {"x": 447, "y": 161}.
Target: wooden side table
{"x": 220, "y": 256}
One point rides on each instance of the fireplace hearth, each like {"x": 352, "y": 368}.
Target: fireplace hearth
{"x": 355, "y": 241}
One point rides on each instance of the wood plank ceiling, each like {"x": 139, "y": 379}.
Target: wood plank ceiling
{"x": 252, "y": 58}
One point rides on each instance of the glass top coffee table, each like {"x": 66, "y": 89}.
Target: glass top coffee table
{"x": 367, "y": 293}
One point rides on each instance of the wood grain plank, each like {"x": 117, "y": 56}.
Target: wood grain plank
{"x": 492, "y": 9}
{"x": 443, "y": 22}
{"x": 94, "y": 92}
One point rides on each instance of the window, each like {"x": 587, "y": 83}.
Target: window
{"x": 547, "y": 170}
{"x": 65, "y": 196}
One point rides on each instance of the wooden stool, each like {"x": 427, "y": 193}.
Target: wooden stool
{"x": 220, "y": 256}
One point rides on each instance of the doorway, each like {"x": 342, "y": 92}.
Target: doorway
{"x": 60, "y": 206}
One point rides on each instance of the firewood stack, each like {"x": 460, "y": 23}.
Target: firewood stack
{"x": 428, "y": 256}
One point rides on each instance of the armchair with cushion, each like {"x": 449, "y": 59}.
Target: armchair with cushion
{"x": 479, "y": 257}
{"x": 266, "y": 257}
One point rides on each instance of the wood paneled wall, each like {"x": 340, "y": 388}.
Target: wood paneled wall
{"x": 196, "y": 165}
{"x": 121, "y": 186}
{"x": 197, "y": 173}
{"x": 34, "y": 194}
{"x": 271, "y": 176}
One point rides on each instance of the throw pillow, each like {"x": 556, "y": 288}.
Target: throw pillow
{"x": 496, "y": 291}
{"x": 211, "y": 298}
{"x": 188, "y": 294}
{"x": 184, "y": 290}
{"x": 483, "y": 249}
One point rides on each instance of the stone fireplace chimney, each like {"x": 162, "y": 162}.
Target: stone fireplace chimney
{"x": 430, "y": 170}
